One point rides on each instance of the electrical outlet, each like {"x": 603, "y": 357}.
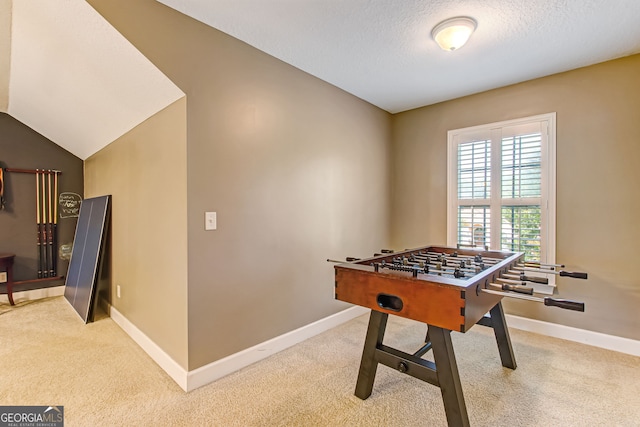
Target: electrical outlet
{"x": 3, "y": 277}
{"x": 118, "y": 291}
{"x": 210, "y": 221}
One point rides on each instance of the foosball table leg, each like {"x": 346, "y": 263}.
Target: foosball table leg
{"x": 443, "y": 372}
{"x": 448, "y": 376}
{"x": 501, "y": 332}
{"x": 369, "y": 364}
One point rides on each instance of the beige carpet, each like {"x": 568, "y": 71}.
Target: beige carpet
{"x": 102, "y": 378}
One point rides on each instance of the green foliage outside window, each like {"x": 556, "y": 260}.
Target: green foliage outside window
{"x": 521, "y": 230}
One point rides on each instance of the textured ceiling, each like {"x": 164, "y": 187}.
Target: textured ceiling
{"x": 76, "y": 80}
{"x": 382, "y": 51}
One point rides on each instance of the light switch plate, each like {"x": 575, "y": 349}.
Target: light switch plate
{"x": 210, "y": 221}
{"x": 3, "y": 277}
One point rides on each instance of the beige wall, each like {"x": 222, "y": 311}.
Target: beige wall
{"x": 295, "y": 168}
{"x": 598, "y": 148}
{"x": 145, "y": 172}
{"x": 299, "y": 171}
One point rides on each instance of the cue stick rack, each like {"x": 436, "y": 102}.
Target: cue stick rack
{"x": 46, "y": 200}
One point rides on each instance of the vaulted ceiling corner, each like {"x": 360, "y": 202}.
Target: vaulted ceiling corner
{"x": 5, "y": 53}
{"x": 75, "y": 79}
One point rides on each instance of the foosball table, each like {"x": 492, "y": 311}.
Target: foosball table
{"x": 448, "y": 289}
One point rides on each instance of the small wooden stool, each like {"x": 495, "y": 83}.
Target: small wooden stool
{"x": 6, "y": 263}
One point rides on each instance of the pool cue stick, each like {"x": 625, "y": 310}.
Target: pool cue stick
{"x": 45, "y": 269}
{"x": 1, "y": 188}
{"x": 55, "y": 224}
{"x": 50, "y": 225}
{"x": 38, "y": 224}
{"x": 552, "y": 302}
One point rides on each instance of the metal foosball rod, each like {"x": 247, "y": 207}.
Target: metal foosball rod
{"x": 551, "y": 302}
{"x": 437, "y": 267}
{"x": 524, "y": 277}
{"x": 506, "y": 281}
{"x": 415, "y": 269}
{"x": 532, "y": 265}
{"x": 513, "y": 286}
{"x": 537, "y": 264}
{"x": 455, "y": 255}
{"x": 456, "y": 263}
{"x": 437, "y": 257}
{"x": 562, "y": 273}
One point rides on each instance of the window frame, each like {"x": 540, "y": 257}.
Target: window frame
{"x": 494, "y": 132}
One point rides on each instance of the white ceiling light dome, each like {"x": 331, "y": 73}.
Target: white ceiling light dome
{"x": 453, "y": 33}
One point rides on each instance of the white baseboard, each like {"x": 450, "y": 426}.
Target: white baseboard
{"x": 191, "y": 380}
{"x": 35, "y": 294}
{"x": 596, "y": 339}
{"x": 220, "y": 368}
{"x": 170, "y": 366}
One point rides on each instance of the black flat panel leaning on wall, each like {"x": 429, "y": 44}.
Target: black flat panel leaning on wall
{"x": 87, "y": 255}
{"x": 23, "y": 148}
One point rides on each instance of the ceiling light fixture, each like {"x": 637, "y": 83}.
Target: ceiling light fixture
{"x": 453, "y": 33}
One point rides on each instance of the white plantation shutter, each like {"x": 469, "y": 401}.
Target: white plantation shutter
{"x": 474, "y": 226}
{"x": 521, "y": 187}
{"x": 474, "y": 170}
{"x": 521, "y": 163}
{"x": 474, "y": 193}
{"x": 502, "y": 187}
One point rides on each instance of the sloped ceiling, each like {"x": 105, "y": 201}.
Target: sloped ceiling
{"x": 66, "y": 73}
{"x": 5, "y": 53}
{"x": 382, "y": 50}
{"x": 75, "y": 79}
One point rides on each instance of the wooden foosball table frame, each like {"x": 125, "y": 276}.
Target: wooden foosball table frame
{"x": 442, "y": 297}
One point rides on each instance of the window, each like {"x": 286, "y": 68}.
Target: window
{"x": 501, "y": 192}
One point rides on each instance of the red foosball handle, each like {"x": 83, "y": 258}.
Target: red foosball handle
{"x": 563, "y": 303}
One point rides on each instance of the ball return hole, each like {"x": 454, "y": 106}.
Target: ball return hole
{"x": 390, "y": 302}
